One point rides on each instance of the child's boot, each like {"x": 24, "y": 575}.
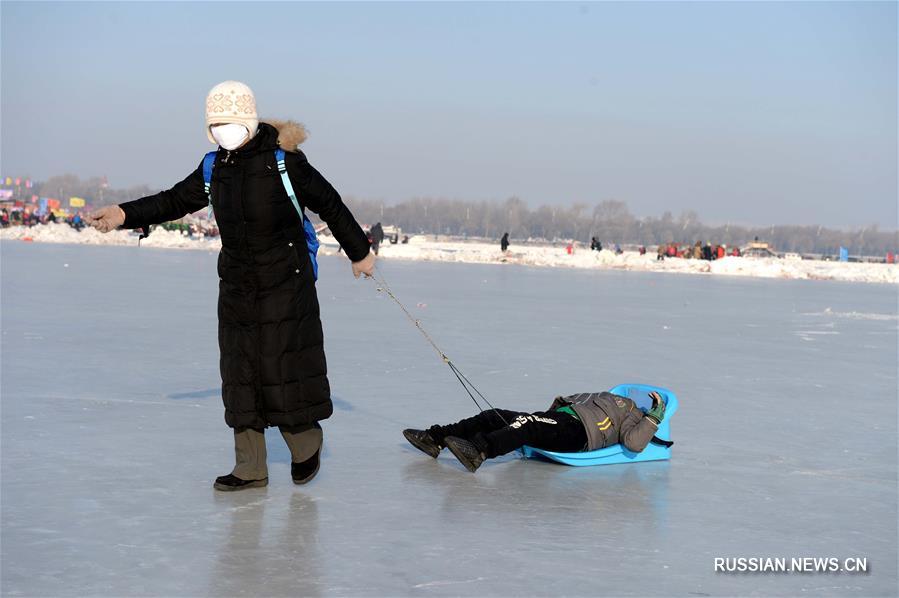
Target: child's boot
{"x": 423, "y": 441}
{"x": 466, "y": 452}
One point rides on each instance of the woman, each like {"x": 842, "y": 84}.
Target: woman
{"x": 270, "y": 335}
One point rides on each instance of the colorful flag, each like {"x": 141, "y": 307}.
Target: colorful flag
{"x": 28, "y": 183}
{"x": 53, "y": 204}
{"x": 18, "y": 181}
{"x": 8, "y": 182}
{"x": 76, "y": 202}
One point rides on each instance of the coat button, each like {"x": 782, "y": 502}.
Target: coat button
{"x": 290, "y": 244}
{"x": 297, "y": 271}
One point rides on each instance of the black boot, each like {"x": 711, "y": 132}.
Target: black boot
{"x": 423, "y": 441}
{"x": 466, "y": 452}
{"x": 305, "y": 471}
{"x": 230, "y": 483}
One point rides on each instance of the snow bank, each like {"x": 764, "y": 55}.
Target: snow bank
{"x": 422, "y": 248}
{"x": 63, "y": 233}
{"x": 482, "y": 253}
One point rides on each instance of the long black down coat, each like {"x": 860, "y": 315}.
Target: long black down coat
{"x": 270, "y": 334}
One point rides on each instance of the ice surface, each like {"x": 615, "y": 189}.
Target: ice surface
{"x": 112, "y": 432}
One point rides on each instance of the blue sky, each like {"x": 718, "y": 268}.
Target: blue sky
{"x": 751, "y": 113}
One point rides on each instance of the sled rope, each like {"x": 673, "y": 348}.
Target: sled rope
{"x": 383, "y": 286}
{"x": 463, "y": 380}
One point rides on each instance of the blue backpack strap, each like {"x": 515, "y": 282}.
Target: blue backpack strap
{"x": 208, "y": 163}
{"x": 312, "y": 243}
{"x": 285, "y": 179}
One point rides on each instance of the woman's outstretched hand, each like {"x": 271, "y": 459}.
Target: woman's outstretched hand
{"x": 107, "y": 219}
{"x": 365, "y": 266}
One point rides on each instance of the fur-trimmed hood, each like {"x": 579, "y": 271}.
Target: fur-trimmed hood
{"x": 291, "y": 134}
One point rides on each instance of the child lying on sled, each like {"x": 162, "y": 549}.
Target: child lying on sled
{"x": 581, "y": 422}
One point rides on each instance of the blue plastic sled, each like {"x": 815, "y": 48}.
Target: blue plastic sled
{"x": 639, "y": 393}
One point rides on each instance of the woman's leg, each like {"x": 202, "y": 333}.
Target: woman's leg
{"x": 249, "y": 450}
{"x": 303, "y": 441}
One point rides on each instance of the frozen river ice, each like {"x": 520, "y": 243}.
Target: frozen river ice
{"x": 112, "y": 432}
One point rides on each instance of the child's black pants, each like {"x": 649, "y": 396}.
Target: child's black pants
{"x": 547, "y": 430}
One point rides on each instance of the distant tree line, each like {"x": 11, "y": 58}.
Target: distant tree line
{"x": 609, "y": 221}
{"x": 94, "y": 190}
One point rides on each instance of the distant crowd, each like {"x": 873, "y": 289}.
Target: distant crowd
{"x": 697, "y": 251}
{"x": 18, "y": 217}
{"x": 29, "y": 218}
{"x": 197, "y": 229}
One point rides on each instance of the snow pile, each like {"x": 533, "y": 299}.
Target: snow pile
{"x": 63, "y": 233}
{"x": 424, "y": 248}
{"x": 483, "y": 253}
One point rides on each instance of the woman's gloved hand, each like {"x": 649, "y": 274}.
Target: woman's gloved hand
{"x": 365, "y": 266}
{"x": 657, "y": 413}
{"x": 106, "y": 219}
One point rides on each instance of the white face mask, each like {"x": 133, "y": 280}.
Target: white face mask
{"x": 230, "y": 136}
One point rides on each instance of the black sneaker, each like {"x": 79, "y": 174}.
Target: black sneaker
{"x": 305, "y": 471}
{"x": 230, "y": 483}
{"x": 423, "y": 441}
{"x": 466, "y": 452}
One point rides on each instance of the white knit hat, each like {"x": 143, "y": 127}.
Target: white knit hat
{"x": 231, "y": 102}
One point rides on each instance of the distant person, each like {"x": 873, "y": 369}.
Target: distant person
{"x": 642, "y": 250}
{"x": 581, "y": 422}
{"x": 595, "y": 245}
{"x": 660, "y": 253}
{"x": 377, "y": 237}
{"x": 707, "y": 252}
{"x": 504, "y": 242}
{"x": 270, "y": 334}
{"x": 618, "y": 250}
{"x": 405, "y": 239}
